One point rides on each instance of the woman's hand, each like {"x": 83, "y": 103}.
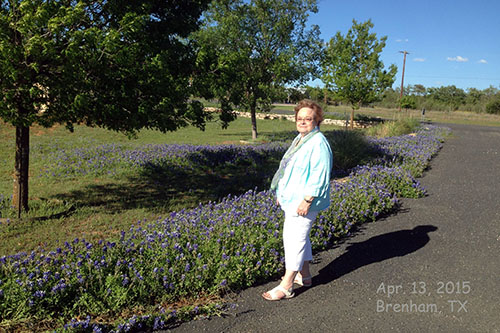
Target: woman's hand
{"x": 303, "y": 208}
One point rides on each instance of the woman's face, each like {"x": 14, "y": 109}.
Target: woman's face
{"x": 305, "y": 121}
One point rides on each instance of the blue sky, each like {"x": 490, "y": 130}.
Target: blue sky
{"x": 450, "y": 42}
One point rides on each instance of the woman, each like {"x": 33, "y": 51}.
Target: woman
{"x": 302, "y": 185}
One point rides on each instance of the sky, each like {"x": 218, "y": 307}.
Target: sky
{"x": 449, "y": 42}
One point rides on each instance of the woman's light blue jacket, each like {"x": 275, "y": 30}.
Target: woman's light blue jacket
{"x": 307, "y": 174}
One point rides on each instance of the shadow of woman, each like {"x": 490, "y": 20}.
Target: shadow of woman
{"x": 375, "y": 249}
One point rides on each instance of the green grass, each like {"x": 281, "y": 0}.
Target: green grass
{"x": 394, "y": 128}
{"x": 99, "y": 207}
{"x": 454, "y": 117}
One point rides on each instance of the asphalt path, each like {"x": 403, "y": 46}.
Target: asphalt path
{"x": 432, "y": 267}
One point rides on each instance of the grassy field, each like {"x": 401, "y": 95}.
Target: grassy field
{"x": 454, "y": 117}
{"x": 163, "y": 270}
{"x": 99, "y": 207}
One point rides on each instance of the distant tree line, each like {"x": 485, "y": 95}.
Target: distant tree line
{"x": 446, "y": 98}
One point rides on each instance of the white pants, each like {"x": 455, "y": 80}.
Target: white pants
{"x": 296, "y": 239}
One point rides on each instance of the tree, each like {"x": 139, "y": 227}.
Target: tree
{"x": 419, "y": 90}
{"x": 491, "y": 91}
{"x": 250, "y": 49}
{"x": 408, "y": 102}
{"x": 449, "y": 96}
{"x": 294, "y": 95}
{"x": 352, "y": 67}
{"x": 474, "y": 96}
{"x": 109, "y": 63}
{"x": 493, "y": 107}
{"x": 315, "y": 93}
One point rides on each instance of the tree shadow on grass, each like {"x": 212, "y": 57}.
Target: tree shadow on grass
{"x": 161, "y": 188}
{"x": 266, "y": 136}
{"x": 166, "y": 187}
{"x": 376, "y": 249}
{"x": 349, "y": 148}
{"x": 284, "y": 136}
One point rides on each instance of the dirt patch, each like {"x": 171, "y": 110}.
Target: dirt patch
{"x": 38, "y": 130}
{"x": 341, "y": 180}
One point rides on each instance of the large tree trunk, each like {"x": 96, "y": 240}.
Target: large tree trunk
{"x": 20, "y": 194}
{"x": 253, "y": 108}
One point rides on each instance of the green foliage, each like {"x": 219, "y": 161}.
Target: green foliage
{"x": 108, "y": 199}
{"x": 315, "y": 93}
{"x": 204, "y": 251}
{"x": 408, "y": 102}
{"x": 419, "y": 90}
{"x": 121, "y": 66}
{"x": 46, "y": 208}
{"x": 389, "y": 99}
{"x": 352, "y": 66}
{"x": 493, "y": 107}
{"x": 350, "y": 148}
{"x": 103, "y": 63}
{"x": 249, "y": 49}
{"x": 394, "y": 128}
{"x": 451, "y": 96}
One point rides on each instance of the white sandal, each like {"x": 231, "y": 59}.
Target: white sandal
{"x": 301, "y": 280}
{"x": 288, "y": 293}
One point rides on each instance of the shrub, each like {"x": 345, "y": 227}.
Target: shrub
{"x": 394, "y": 128}
{"x": 408, "y": 102}
{"x": 350, "y": 148}
{"x": 493, "y": 107}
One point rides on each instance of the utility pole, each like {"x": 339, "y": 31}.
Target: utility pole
{"x": 402, "y": 77}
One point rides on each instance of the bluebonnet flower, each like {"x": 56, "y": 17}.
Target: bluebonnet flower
{"x": 125, "y": 281}
{"x": 188, "y": 233}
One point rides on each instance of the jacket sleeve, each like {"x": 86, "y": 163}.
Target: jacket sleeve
{"x": 320, "y": 165}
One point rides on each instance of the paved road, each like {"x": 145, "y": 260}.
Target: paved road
{"x": 437, "y": 260}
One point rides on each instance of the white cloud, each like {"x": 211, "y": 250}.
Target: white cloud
{"x": 482, "y": 61}
{"x": 457, "y": 59}
{"x": 419, "y": 59}
{"x": 402, "y": 40}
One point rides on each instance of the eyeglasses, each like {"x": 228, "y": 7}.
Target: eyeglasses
{"x": 307, "y": 119}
